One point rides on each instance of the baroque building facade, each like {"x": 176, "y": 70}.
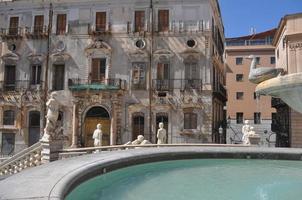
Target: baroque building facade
{"x": 125, "y": 64}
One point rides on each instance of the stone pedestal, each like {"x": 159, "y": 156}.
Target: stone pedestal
{"x": 254, "y": 139}
{"x": 50, "y": 150}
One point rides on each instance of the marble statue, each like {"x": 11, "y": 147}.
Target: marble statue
{"x": 139, "y": 141}
{"x": 245, "y": 132}
{"x": 97, "y": 136}
{"x": 161, "y": 134}
{"x": 51, "y": 117}
{"x": 258, "y": 75}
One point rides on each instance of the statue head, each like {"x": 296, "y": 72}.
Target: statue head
{"x": 161, "y": 125}
{"x": 250, "y": 57}
{"x": 99, "y": 126}
{"x": 140, "y": 138}
{"x": 246, "y": 122}
{"x": 251, "y": 128}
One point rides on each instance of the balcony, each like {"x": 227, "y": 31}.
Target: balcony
{"x": 11, "y": 33}
{"x": 20, "y": 85}
{"x": 181, "y": 84}
{"x": 36, "y": 32}
{"x": 96, "y": 84}
{"x": 252, "y": 42}
{"x": 185, "y": 27}
{"x": 220, "y": 92}
{"x": 99, "y": 29}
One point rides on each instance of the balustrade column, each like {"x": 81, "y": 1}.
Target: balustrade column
{"x": 74, "y": 126}
{"x": 113, "y": 124}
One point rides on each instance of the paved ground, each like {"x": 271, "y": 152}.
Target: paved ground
{"x": 56, "y": 179}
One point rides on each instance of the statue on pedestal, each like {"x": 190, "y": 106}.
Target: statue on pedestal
{"x": 245, "y": 132}
{"x": 51, "y": 117}
{"x": 97, "y": 136}
{"x": 161, "y": 134}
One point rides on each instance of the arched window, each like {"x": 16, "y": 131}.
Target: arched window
{"x": 9, "y": 117}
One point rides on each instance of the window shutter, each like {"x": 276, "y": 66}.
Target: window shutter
{"x": 61, "y": 24}
{"x": 39, "y": 23}
{"x": 13, "y": 25}
{"x": 139, "y": 21}
{"x": 100, "y": 21}
{"x": 193, "y": 121}
{"x": 163, "y": 20}
{"x": 95, "y": 70}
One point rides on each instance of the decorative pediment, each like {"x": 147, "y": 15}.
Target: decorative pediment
{"x": 10, "y": 58}
{"x": 191, "y": 55}
{"x": 163, "y": 54}
{"x": 98, "y": 46}
{"x": 138, "y": 55}
{"x": 60, "y": 57}
{"x": 36, "y": 58}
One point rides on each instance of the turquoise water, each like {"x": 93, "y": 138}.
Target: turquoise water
{"x": 208, "y": 179}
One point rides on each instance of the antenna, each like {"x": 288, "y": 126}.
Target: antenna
{"x": 253, "y": 31}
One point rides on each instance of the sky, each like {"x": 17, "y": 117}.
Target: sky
{"x": 239, "y": 16}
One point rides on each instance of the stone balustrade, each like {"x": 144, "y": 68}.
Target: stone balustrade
{"x": 27, "y": 158}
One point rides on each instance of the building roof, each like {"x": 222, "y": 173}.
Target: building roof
{"x": 261, "y": 35}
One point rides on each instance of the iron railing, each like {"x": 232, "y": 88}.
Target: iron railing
{"x": 97, "y": 29}
{"x": 181, "y": 84}
{"x": 36, "y": 30}
{"x": 19, "y": 85}
{"x": 249, "y": 42}
{"x": 110, "y": 83}
{"x": 11, "y": 32}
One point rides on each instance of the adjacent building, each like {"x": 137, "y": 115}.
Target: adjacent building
{"x": 127, "y": 65}
{"x": 243, "y": 104}
{"x": 288, "y": 43}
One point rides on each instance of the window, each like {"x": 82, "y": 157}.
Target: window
{"x": 100, "y": 21}
{"x": 190, "y": 121}
{"x": 239, "y": 77}
{"x": 256, "y": 96}
{"x": 278, "y": 53}
{"x": 257, "y": 118}
{"x": 10, "y": 77}
{"x": 239, "y": 95}
{"x": 8, "y": 143}
{"x": 139, "y": 21}
{"x": 273, "y": 60}
{"x": 274, "y": 118}
{"x": 163, "y": 20}
{"x": 138, "y": 76}
{"x": 38, "y": 24}
{"x": 13, "y": 26}
{"x": 162, "y": 71}
{"x": 257, "y": 60}
{"x": 61, "y": 24}
{"x": 239, "y": 61}
{"x": 239, "y": 118}
{"x": 9, "y": 117}
{"x": 58, "y": 77}
{"x": 35, "y": 74}
{"x": 98, "y": 70}
{"x": 138, "y": 125}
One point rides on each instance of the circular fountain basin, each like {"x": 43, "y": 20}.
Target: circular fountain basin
{"x": 214, "y": 179}
{"x": 164, "y": 171}
{"x": 288, "y": 88}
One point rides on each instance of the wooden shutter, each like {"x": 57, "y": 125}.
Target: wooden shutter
{"x": 163, "y": 20}
{"x": 38, "y": 24}
{"x": 13, "y": 25}
{"x": 193, "y": 121}
{"x": 139, "y": 21}
{"x": 187, "y": 121}
{"x": 102, "y": 69}
{"x": 95, "y": 70}
{"x": 61, "y": 24}
{"x": 100, "y": 21}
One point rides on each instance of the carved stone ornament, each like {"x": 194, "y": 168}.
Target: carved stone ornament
{"x": 163, "y": 54}
{"x": 100, "y": 46}
{"x": 10, "y": 58}
{"x": 36, "y": 58}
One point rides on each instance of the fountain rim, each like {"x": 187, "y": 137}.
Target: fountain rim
{"x": 57, "y": 179}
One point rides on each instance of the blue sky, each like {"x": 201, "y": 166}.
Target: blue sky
{"x": 240, "y": 15}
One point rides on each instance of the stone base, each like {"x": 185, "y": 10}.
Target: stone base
{"x": 254, "y": 140}
{"x": 50, "y": 150}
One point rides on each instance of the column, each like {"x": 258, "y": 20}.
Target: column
{"x": 75, "y": 123}
{"x": 113, "y": 124}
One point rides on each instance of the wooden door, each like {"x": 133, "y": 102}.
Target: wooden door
{"x": 139, "y": 21}
{"x": 163, "y": 20}
{"x": 98, "y": 70}
{"x": 58, "y": 77}
{"x": 90, "y": 126}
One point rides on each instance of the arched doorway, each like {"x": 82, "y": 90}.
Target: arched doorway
{"x": 33, "y": 127}
{"x": 94, "y": 116}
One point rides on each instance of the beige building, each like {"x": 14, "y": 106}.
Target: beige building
{"x": 242, "y": 103}
{"x": 288, "y": 43}
{"x": 128, "y": 65}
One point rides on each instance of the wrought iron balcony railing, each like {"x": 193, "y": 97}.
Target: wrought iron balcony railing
{"x": 99, "y": 29}
{"x": 11, "y": 32}
{"x": 36, "y": 31}
{"x": 96, "y": 84}
{"x": 181, "y": 84}
{"x": 19, "y": 85}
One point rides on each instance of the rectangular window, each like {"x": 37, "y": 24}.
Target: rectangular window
{"x": 10, "y": 77}
{"x": 100, "y": 21}
{"x": 13, "y": 25}
{"x": 138, "y": 76}
{"x": 58, "y": 77}
{"x": 9, "y": 117}
{"x": 239, "y": 95}
{"x": 239, "y": 77}
{"x": 61, "y": 24}
{"x": 139, "y": 21}
{"x": 163, "y": 20}
{"x": 35, "y": 74}
{"x": 273, "y": 60}
{"x": 257, "y": 118}
{"x": 239, "y": 61}
{"x": 8, "y": 143}
{"x": 257, "y": 60}
{"x": 38, "y": 24}
{"x": 190, "y": 121}
{"x": 162, "y": 71}
{"x": 98, "y": 70}
{"x": 256, "y": 96}
{"x": 239, "y": 118}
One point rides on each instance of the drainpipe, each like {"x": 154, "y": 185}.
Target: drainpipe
{"x": 50, "y": 16}
{"x": 150, "y": 69}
